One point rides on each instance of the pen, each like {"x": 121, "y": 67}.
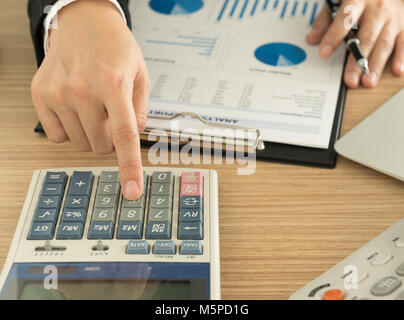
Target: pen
{"x": 351, "y": 40}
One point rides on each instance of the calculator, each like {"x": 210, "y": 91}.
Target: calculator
{"x": 374, "y": 272}
{"x": 79, "y": 238}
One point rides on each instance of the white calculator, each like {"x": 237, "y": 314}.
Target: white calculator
{"x": 79, "y": 238}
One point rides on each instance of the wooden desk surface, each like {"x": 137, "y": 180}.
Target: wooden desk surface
{"x": 279, "y": 228}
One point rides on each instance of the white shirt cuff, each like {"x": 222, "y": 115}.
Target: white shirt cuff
{"x": 52, "y": 12}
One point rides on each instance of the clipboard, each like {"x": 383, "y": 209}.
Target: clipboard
{"x": 265, "y": 150}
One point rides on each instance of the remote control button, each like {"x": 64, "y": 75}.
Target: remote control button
{"x": 161, "y": 202}
{"x": 46, "y": 215}
{"x": 158, "y": 230}
{"x": 194, "y": 202}
{"x": 108, "y": 188}
{"x": 74, "y": 215}
{"x": 129, "y": 230}
{"x": 41, "y": 231}
{"x": 334, "y": 294}
{"x": 400, "y": 270}
{"x": 190, "y": 231}
{"x": 401, "y": 296}
{"x": 70, "y": 230}
{"x": 132, "y": 214}
{"x": 164, "y": 247}
{"x": 101, "y": 230}
{"x": 102, "y": 201}
{"x": 54, "y": 189}
{"x": 162, "y": 177}
{"x": 381, "y": 258}
{"x": 109, "y": 176}
{"x": 56, "y": 177}
{"x": 139, "y": 203}
{"x": 81, "y": 183}
{"x": 76, "y": 202}
{"x": 160, "y": 215}
{"x": 162, "y": 189}
{"x": 386, "y": 286}
{"x": 49, "y": 202}
{"x": 137, "y": 247}
{"x": 104, "y": 214}
{"x": 191, "y": 247}
{"x": 400, "y": 242}
{"x": 190, "y": 215}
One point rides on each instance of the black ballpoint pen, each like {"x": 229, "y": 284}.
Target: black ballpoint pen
{"x": 351, "y": 40}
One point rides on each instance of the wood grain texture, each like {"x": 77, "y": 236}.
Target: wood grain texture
{"x": 279, "y": 228}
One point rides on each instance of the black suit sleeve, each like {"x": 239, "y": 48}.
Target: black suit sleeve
{"x": 37, "y": 16}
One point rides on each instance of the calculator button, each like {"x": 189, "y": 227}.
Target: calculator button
{"x": 109, "y": 176}
{"x": 160, "y": 215}
{"x": 400, "y": 296}
{"x": 74, "y": 215}
{"x": 104, "y": 214}
{"x": 160, "y": 202}
{"x": 189, "y": 189}
{"x": 49, "y": 202}
{"x": 101, "y": 230}
{"x": 400, "y": 270}
{"x": 334, "y": 294}
{"x": 108, "y": 188}
{"x": 76, "y": 202}
{"x": 132, "y": 214}
{"x": 102, "y": 201}
{"x": 55, "y": 177}
{"x": 381, "y": 258}
{"x": 55, "y": 189}
{"x": 191, "y": 202}
{"x": 190, "y": 215}
{"x": 45, "y": 215}
{"x": 139, "y": 203}
{"x": 190, "y": 230}
{"x": 41, "y": 231}
{"x": 70, "y": 230}
{"x": 164, "y": 247}
{"x": 129, "y": 230}
{"x": 158, "y": 230}
{"x": 81, "y": 183}
{"x": 191, "y": 177}
{"x": 137, "y": 247}
{"x": 191, "y": 247}
{"x": 162, "y": 189}
{"x": 386, "y": 286}
{"x": 162, "y": 177}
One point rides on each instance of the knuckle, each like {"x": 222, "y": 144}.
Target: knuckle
{"x": 130, "y": 165}
{"x": 141, "y": 119}
{"x": 368, "y": 39}
{"x": 77, "y": 86}
{"x": 56, "y": 137}
{"x": 382, "y": 5}
{"x": 125, "y": 135}
{"x": 104, "y": 149}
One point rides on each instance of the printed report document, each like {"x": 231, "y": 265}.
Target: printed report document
{"x": 240, "y": 62}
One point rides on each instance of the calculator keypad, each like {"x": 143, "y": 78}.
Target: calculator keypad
{"x": 147, "y": 223}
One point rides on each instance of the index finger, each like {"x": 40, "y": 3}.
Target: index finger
{"x": 348, "y": 15}
{"x": 125, "y": 137}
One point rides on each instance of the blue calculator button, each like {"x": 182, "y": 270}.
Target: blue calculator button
{"x": 129, "y": 230}
{"x": 191, "y": 247}
{"x": 49, "y": 202}
{"x": 164, "y": 247}
{"x": 76, "y": 202}
{"x": 56, "y": 177}
{"x": 41, "y": 231}
{"x": 46, "y": 215}
{"x": 70, "y": 230}
{"x": 158, "y": 230}
{"x": 101, "y": 230}
{"x": 81, "y": 183}
{"x": 55, "y": 189}
{"x": 191, "y": 202}
{"x": 191, "y": 215}
{"x": 137, "y": 247}
{"x": 74, "y": 215}
{"x": 190, "y": 231}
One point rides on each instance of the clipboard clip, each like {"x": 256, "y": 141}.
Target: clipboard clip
{"x": 257, "y": 143}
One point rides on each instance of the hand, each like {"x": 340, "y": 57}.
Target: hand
{"x": 381, "y": 31}
{"x": 93, "y": 85}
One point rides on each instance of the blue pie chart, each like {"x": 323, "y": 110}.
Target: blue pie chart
{"x": 176, "y": 7}
{"x": 280, "y": 54}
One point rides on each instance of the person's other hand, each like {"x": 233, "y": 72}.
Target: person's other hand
{"x": 381, "y": 32}
{"x": 93, "y": 85}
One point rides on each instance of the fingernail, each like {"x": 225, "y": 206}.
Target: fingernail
{"x": 372, "y": 77}
{"x": 326, "y": 50}
{"x": 131, "y": 190}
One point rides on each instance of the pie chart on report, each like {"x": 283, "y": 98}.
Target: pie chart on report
{"x": 280, "y": 54}
{"x": 176, "y": 7}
